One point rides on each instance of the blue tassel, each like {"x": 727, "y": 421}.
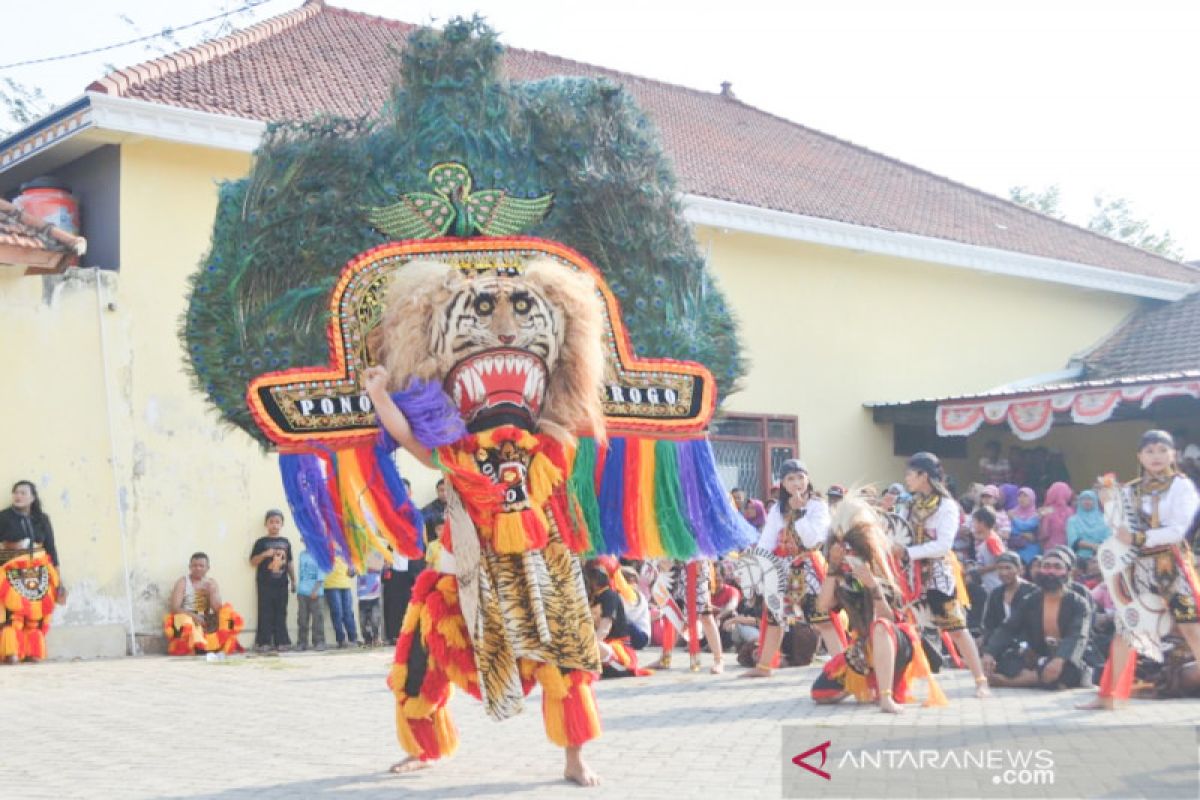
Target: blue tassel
{"x": 612, "y": 498}
{"x": 304, "y": 495}
{"x": 400, "y": 500}
{"x": 728, "y": 529}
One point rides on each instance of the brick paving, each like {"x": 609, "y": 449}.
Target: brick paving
{"x": 320, "y": 725}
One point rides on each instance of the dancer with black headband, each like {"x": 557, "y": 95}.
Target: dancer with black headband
{"x": 934, "y": 574}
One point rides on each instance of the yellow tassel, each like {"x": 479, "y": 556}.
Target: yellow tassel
{"x": 8, "y": 641}
{"x": 411, "y": 616}
{"x": 622, "y": 587}
{"x": 555, "y": 720}
{"x": 543, "y": 478}
{"x": 960, "y": 586}
{"x": 426, "y": 622}
{"x": 404, "y": 733}
{"x": 397, "y": 678}
{"x": 554, "y": 686}
{"x": 417, "y": 708}
{"x": 447, "y": 587}
{"x": 651, "y": 536}
{"x": 452, "y": 630}
{"x": 444, "y": 730}
{"x": 509, "y": 533}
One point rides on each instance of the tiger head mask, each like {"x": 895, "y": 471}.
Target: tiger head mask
{"x": 518, "y": 346}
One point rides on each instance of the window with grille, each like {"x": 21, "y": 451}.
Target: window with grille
{"x": 749, "y": 449}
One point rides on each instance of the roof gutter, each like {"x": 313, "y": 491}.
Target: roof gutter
{"x": 781, "y": 224}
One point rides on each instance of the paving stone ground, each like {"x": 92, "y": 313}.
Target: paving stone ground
{"x": 321, "y": 725}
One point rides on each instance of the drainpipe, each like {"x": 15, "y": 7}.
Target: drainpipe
{"x": 112, "y": 447}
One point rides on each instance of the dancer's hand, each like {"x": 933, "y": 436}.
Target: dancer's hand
{"x": 989, "y": 664}
{"x": 375, "y": 381}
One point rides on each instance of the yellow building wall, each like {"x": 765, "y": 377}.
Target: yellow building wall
{"x": 828, "y": 329}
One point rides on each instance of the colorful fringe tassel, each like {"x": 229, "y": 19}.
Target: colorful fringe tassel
{"x": 351, "y": 501}
{"x": 656, "y": 498}
{"x": 568, "y": 706}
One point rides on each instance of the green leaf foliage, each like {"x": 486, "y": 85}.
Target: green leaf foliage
{"x": 282, "y": 235}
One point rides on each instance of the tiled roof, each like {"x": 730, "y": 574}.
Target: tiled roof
{"x": 1059, "y": 387}
{"x": 1164, "y": 338}
{"x": 319, "y": 59}
{"x": 34, "y": 243}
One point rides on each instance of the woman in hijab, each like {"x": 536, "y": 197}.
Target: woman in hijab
{"x": 1053, "y": 529}
{"x": 1087, "y": 530}
{"x": 1025, "y": 519}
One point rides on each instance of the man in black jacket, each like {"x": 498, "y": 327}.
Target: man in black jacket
{"x": 1013, "y": 589}
{"x": 1044, "y": 639}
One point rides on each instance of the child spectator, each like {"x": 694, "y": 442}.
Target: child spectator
{"x": 370, "y": 589}
{"x": 309, "y": 590}
{"x": 337, "y": 596}
{"x": 637, "y": 614}
{"x": 272, "y": 559}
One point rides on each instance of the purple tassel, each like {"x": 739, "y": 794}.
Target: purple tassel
{"x": 697, "y": 513}
{"x": 431, "y": 415}
{"x": 304, "y": 495}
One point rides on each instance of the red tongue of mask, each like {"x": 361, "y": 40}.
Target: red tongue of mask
{"x": 498, "y": 386}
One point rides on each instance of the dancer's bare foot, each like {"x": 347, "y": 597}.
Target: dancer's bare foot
{"x": 410, "y": 764}
{"x": 1098, "y": 703}
{"x": 717, "y": 668}
{"x": 981, "y": 689}
{"x": 577, "y": 770}
{"x": 757, "y": 672}
{"x": 889, "y": 706}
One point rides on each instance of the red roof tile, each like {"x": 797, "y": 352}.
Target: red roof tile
{"x": 318, "y": 59}
{"x": 38, "y": 245}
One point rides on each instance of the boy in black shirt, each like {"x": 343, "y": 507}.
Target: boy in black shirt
{"x": 275, "y": 572}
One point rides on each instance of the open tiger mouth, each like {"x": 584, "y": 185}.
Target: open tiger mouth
{"x": 498, "y": 386}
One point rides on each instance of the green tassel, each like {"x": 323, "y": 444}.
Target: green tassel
{"x": 581, "y": 491}
{"x": 677, "y": 537}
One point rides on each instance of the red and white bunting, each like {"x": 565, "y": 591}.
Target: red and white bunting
{"x": 1031, "y": 417}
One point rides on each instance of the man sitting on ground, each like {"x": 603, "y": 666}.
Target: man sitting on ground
{"x": 617, "y": 656}
{"x": 1044, "y": 641}
{"x": 1011, "y": 592}
{"x": 198, "y": 622}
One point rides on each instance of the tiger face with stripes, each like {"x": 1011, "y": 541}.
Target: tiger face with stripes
{"x": 523, "y": 346}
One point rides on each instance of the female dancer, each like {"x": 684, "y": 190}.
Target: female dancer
{"x": 796, "y": 530}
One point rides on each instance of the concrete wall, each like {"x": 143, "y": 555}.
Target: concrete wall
{"x": 829, "y": 329}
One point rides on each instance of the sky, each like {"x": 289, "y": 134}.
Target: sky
{"x": 1095, "y": 97}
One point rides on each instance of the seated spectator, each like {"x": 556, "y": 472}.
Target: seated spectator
{"x": 752, "y": 508}
{"x": 989, "y": 498}
{"x": 986, "y": 548}
{"x": 740, "y": 631}
{"x": 1026, "y": 520}
{"x": 617, "y": 657}
{"x": 198, "y": 621}
{"x": 637, "y": 612}
{"x": 1013, "y": 589}
{"x": 888, "y": 500}
{"x": 1052, "y": 531}
{"x": 1044, "y": 641}
{"x": 1087, "y": 530}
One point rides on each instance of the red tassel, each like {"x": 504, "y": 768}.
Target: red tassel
{"x": 1123, "y": 686}
{"x": 954, "y": 656}
{"x": 573, "y": 537}
{"x": 398, "y": 527}
{"x": 582, "y": 722}
{"x": 693, "y": 573}
{"x": 629, "y": 514}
